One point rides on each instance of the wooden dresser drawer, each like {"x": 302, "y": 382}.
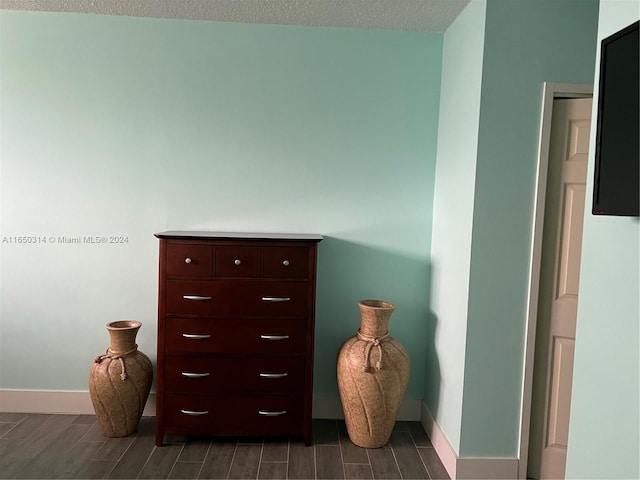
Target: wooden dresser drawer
{"x": 235, "y": 336}
{"x": 286, "y": 262}
{"x": 237, "y": 298}
{"x": 234, "y": 415}
{"x": 238, "y": 261}
{"x": 189, "y": 260}
{"x": 234, "y": 375}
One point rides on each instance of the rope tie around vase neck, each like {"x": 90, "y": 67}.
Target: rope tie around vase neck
{"x": 371, "y": 342}
{"x": 119, "y": 357}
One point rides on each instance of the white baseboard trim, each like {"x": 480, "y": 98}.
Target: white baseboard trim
{"x": 466, "y": 468}
{"x": 447, "y": 454}
{"x": 73, "y": 402}
{"x": 79, "y": 402}
{"x": 485, "y": 468}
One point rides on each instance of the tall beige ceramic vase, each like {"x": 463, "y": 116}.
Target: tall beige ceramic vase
{"x": 120, "y": 380}
{"x": 373, "y": 372}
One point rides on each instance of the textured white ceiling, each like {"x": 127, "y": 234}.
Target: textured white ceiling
{"x": 417, "y": 15}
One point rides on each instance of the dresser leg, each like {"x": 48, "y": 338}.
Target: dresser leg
{"x": 159, "y": 438}
{"x": 307, "y": 437}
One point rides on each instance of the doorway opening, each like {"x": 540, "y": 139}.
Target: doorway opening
{"x": 552, "y": 193}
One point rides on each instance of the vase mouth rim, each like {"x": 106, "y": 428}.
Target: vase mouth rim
{"x": 377, "y": 304}
{"x": 124, "y": 325}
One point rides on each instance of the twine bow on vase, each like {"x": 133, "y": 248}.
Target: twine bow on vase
{"x": 119, "y": 357}
{"x": 371, "y": 342}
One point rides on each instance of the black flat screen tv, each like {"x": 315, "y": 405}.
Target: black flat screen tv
{"x": 616, "y": 188}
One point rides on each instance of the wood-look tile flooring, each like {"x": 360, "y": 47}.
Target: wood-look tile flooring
{"x": 71, "y": 446}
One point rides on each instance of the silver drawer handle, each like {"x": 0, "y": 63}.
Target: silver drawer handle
{"x": 276, "y": 299}
{"x": 274, "y": 337}
{"x": 195, "y": 375}
{"x": 194, "y": 413}
{"x": 285, "y": 263}
{"x": 237, "y": 261}
{"x": 268, "y": 413}
{"x": 197, "y": 298}
{"x": 196, "y": 336}
{"x": 273, "y": 375}
{"x": 187, "y": 260}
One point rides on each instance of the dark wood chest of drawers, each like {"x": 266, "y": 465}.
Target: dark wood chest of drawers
{"x": 236, "y": 319}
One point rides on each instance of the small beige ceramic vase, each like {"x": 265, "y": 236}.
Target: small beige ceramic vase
{"x": 373, "y": 372}
{"x": 120, "y": 380}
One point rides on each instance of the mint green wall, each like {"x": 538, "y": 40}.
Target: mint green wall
{"x": 526, "y": 44}
{"x": 605, "y": 398}
{"x": 452, "y": 217}
{"x": 129, "y": 126}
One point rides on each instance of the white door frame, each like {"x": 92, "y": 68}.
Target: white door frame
{"x": 551, "y": 91}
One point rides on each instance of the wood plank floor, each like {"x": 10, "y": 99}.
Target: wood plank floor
{"x": 72, "y": 446}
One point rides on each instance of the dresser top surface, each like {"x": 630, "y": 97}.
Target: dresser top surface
{"x": 238, "y": 235}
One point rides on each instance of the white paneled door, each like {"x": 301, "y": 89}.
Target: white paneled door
{"x": 558, "y": 299}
